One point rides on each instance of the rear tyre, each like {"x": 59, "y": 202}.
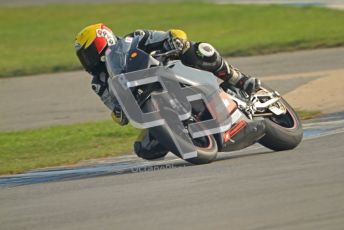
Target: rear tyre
{"x": 206, "y": 148}
{"x": 283, "y": 132}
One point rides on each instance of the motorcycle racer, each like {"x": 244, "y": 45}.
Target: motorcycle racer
{"x": 92, "y": 42}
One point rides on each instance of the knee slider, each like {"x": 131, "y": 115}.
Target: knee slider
{"x": 205, "y": 51}
{"x": 202, "y": 56}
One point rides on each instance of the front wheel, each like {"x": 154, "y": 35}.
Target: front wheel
{"x": 283, "y": 132}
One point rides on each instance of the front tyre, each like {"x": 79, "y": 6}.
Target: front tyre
{"x": 283, "y": 132}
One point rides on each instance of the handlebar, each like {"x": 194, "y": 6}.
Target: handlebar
{"x": 164, "y": 57}
{"x": 167, "y": 54}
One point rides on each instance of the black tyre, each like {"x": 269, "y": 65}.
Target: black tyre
{"x": 206, "y": 148}
{"x": 283, "y": 132}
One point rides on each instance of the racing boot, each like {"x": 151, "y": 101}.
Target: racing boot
{"x": 234, "y": 77}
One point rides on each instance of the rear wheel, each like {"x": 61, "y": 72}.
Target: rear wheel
{"x": 206, "y": 148}
{"x": 284, "y": 131}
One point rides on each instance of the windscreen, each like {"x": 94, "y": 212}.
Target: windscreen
{"x": 126, "y": 57}
{"x": 116, "y": 56}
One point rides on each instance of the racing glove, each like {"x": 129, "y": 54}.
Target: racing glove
{"x": 177, "y": 41}
{"x": 119, "y": 116}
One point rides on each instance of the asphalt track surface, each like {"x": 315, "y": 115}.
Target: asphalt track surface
{"x": 250, "y": 189}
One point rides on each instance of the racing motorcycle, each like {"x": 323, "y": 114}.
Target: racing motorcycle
{"x": 187, "y": 112}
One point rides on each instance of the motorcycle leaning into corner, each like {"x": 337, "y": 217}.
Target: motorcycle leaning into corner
{"x": 185, "y": 111}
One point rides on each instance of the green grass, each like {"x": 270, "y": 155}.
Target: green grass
{"x": 37, "y": 39}
{"x": 61, "y": 145}
{"x": 68, "y": 144}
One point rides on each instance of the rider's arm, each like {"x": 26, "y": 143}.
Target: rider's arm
{"x": 153, "y": 40}
{"x": 100, "y": 87}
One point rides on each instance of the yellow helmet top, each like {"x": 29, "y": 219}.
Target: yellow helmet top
{"x": 86, "y": 36}
{"x": 176, "y": 33}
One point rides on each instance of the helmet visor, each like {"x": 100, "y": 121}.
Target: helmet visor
{"x": 89, "y": 58}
